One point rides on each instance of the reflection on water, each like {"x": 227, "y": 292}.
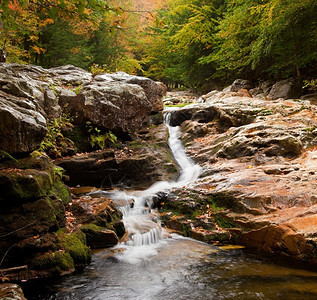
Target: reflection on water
{"x": 179, "y": 268}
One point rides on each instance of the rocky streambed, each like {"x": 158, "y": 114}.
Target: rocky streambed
{"x": 63, "y": 128}
{"x": 257, "y": 186}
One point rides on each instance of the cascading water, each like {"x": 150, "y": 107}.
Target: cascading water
{"x": 182, "y": 268}
{"x": 142, "y": 225}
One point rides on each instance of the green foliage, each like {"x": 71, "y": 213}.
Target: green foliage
{"x": 223, "y": 40}
{"x": 95, "y": 69}
{"x": 54, "y": 141}
{"x": 98, "y": 139}
{"x": 59, "y": 261}
{"x": 310, "y": 83}
{"x": 6, "y": 156}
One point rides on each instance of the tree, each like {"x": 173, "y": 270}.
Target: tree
{"x": 188, "y": 33}
{"x": 267, "y": 38}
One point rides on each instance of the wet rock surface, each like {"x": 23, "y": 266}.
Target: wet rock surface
{"x": 259, "y": 173}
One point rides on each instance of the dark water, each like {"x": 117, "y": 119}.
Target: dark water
{"x": 180, "y": 268}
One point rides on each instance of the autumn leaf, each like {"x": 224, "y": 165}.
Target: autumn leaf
{"x": 38, "y": 50}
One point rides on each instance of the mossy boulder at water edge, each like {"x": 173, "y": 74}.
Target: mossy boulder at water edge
{"x": 72, "y": 252}
{"x": 99, "y": 218}
{"x": 32, "y": 207}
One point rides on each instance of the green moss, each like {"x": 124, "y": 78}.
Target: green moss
{"x": 137, "y": 144}
{"x": 213, "y": 205}
{"x": 178, "y": 105}
{"x": 24, "y": 184}
{"x": 224, "y": 223}
{"x": 59, "y": 261}
{"x": 6, "y": 156}
{"x": 222, "y": 200}
{"x": 186, "y": 229}
{"x": 61, "y": 191}
{"x": 88, "y": 227}
{"x": 75, "y": 245}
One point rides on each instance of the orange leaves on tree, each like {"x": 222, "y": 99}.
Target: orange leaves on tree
{"x": 43, "y": 23}
{"x": 38, "y": 49}
{"x": 15, "y": 6}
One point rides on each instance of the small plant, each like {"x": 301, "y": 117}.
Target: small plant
{"x": 96, "y": 69}
{"x": 54, "y": 140}
{"x": 98, "y": 139}
{"x": 6, "y": 156}
{"x": 77, "y": 89}
{"x": 310, "y": 83}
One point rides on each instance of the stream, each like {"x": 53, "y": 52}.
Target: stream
{"x": 154, "y": 264}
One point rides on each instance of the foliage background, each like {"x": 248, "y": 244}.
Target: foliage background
{"x": 195, "y": 43}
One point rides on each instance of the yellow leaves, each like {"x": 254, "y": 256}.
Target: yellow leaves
{"x": 38, "y": 49}
{"x": 87, "y": 11}
{"x": 75, "y": 50}
{"x": 43, "y": 23}
{"x": 249, "y": 167}
{"x": 33, "y": 38}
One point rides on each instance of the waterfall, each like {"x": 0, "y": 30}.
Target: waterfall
{"x": 141, "y": 224}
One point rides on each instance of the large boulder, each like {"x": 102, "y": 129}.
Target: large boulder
{"x": 22, "y": 126}
{"x": 259, "y": 174}
{"x": 115, "y": 101}
{"x": 141, "y": 163}
{"x": 239, "y": 84}
{"x": 287, "y": 89}
{"x": 154, "y": 91}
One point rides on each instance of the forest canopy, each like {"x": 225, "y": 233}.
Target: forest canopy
{"x": 195, "y": 43}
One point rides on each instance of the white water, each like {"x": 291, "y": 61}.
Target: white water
{"x": 141, "y": 223}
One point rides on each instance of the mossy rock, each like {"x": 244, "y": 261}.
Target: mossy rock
{"x": 61, "y": 191}
{"x": 24, "y": 185}
{"x": 32, "y": 218}
{"x": 59, "y": 262}
{"x": 75, "y": 245}
{"x": 118, "y": 227}
{"x": 98, "y": 237}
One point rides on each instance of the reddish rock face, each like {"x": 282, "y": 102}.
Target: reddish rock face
{"x": 260, "y": 166}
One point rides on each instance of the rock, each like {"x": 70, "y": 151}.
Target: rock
{"x": 24, "y": 185}
{"x": 241, "y": 84}
{"x": 70, "y": 75}
{"x": 100, "y": 238}
{"x": 32, "y": 207}
{"x": 311, "y": 97}
{"x": 11, "y": 291}
{"x": 287, "y": 89}
{"x": 143, "y": 162}
{"x": 259, "y": 178}
{"x": 110, "y": 105}
{"x": 266, "y": 86}
{"x": 92, "y": 169}
{"x": 22, "y": 126}
{"x": 244, "y": 93}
